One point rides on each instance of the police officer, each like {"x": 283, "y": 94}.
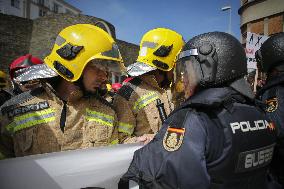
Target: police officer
{"x": 65, "y": 113}
{"x": 136, "y": 102}
{"x": 270, "y": 59}
{"x": 217, "y": 138}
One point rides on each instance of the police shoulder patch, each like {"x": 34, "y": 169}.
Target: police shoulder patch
{"x": 173, "y": 138}
{"x": 272, "y": 104}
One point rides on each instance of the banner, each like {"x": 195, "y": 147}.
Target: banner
{"x": 253, "y": 43}
{"x": 93, "y": 167}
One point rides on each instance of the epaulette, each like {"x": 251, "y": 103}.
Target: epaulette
{"x": 126, "y": 90}
{"x": 18, "y": 99}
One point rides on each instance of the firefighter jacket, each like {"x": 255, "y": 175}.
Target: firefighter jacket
{"x": 135, "y": 105}
{"x": 38, "y": 122}
{"x": 216, "y": 139}
{"x": 272, "y": 94}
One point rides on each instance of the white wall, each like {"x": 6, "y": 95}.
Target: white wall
{"x": 6, "y": 8}
{"x": 34, "y": 11}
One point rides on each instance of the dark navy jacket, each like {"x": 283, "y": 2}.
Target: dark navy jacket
{"x": 216, "y": 139}
{"x": 273, "y": 95}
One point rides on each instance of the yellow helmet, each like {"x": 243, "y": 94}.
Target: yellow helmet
{"x": 158, "y": 50}
{"x": 3, "y": 80}
{"x": 77, "y": 45}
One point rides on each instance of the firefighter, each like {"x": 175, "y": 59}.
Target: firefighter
{"x": 67, "y": 112}
{"x": 151, "y": 75}
{"x": 17, "y": 68}
{"x": 4, "y": 93}
{"x": 270, "y": 59}
{"x": 218, "y": 138}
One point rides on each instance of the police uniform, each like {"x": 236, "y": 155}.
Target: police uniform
{"x": 270, "y": 59}
{"x": 39, "y": 122}
{"x": 272, "y": 94}
{"x": 216, "y": 139}
{"x": 135, "y": 105}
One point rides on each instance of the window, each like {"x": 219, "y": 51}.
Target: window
{"x": 42, "y": 12}
{"x": 15, "y": 3}
{"x": 41, "y": 2}
{"x": 68, "y": 11}
{"x": 55, "y": 8}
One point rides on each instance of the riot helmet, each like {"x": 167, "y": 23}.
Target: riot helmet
{"x": 215, "y": 59}
{"x": 271, "y": 53}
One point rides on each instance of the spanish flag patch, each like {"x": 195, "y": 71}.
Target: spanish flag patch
{"x": 173, "y": 138}
{"x": 272, "y": 104}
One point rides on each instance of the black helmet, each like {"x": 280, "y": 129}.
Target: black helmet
{"x": 219, "y": 58}
{"x": 271, "y": 53}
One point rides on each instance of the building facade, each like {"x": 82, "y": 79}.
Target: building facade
{"x": 32, "y": 9}
{"x": 264, "y": 17}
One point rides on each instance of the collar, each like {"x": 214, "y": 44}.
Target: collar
{"x": 150, "y": 80}
{"x": 271, "y": 83}
{"x": 211, "y": 97}
{"x": 74, "y": 96}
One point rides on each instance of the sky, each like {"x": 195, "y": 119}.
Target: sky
{"x": 133, "y": 18}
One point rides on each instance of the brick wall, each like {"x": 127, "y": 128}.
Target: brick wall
{"x": 129, "y": 51}
{"x": 257, "y": 27}
{"x": 275, "y": 24}
{"x": 15, "y": 38}
{"x": 20, "y": 36}
{"x": 45, "y": 30}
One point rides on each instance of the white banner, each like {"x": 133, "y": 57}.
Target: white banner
{"x": 253, "y": 43}
{"x": 92, "y": 167}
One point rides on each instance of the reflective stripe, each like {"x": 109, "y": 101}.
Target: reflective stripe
{"x": 149, "y": 44}
{"x": 114, "y": 142}
{"x": 125, "y": 128}
{"x": 99, "y": 117}
{"x": 31, "y": 119}
{"x": 145, "y": 100}
{"x": 187, "y": 53}
{"x": 113, "y": 53}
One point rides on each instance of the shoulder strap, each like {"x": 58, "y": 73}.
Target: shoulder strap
{"x": 126, "y": 90}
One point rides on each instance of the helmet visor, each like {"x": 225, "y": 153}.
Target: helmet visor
{"x": 139, "y": 68}
{"x": 110, "y": 66}
{"x": 38, "y": 71}
{"x": 186, "y": 54}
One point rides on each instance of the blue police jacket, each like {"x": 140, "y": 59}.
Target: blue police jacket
{"x": 216, "y": 139}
